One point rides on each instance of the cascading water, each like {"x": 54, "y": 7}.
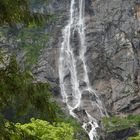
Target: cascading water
{"x": 68, "y": 73}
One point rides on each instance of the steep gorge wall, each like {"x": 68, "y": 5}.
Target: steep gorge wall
{"x": 112, "y": 36}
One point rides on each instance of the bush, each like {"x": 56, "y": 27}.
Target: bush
{"x": 43, "y": 130}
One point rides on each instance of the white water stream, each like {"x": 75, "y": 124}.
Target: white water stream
{"x": 70, "y": 89}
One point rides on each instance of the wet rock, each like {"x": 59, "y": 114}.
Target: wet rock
{"x": 75, "y": 44}
{"x": 82, "y": 84}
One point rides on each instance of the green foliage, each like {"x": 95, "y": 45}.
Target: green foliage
{"x": 6, "y": 128}
{"x": 43, "y": 130}
{"x": 29, "y": 99}
{"x": 1, "y": 56}
{"x": 118, "y": 123}
{"x": 32, "y": 41}
{"x": 37, "y": 130}
{"x": 79, "y": 132}
{"x": 135, "y": 138}
{"x": 20, "y": 94}
{"x": 18, "y": 11}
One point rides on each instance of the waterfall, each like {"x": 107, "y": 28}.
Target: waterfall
{"x": 72, "y": 53}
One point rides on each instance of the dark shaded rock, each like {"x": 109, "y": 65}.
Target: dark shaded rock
{"x": 74, "y": 41}
{"x": 82, "y": 84}
{"x": 121, "y": 134}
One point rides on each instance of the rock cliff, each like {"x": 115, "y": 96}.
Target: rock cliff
{"x": 112, "y": 35}
{"x": 113, "y": 52}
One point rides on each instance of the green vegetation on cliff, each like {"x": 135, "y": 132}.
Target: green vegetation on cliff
{"x": 118, "y": 123}
{"x": 19, "y": 11}
{"x": 24, "y": 32}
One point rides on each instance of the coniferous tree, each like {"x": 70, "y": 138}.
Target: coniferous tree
{"x": 20, "y": 94}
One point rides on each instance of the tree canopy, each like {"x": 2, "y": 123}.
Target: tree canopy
{"x": 19, "y": 11}
{"x": 43, "y": 130}
{"x": 20, "y": 94}
{"x": 38, "y": 130}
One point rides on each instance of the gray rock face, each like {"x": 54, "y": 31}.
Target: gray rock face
{"x": 46, "y": 69}
{"x": 113, "y": 53}
{"x": 113, "y": 59}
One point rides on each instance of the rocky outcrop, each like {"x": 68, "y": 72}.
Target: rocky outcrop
{"x": 113, "y": 54}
